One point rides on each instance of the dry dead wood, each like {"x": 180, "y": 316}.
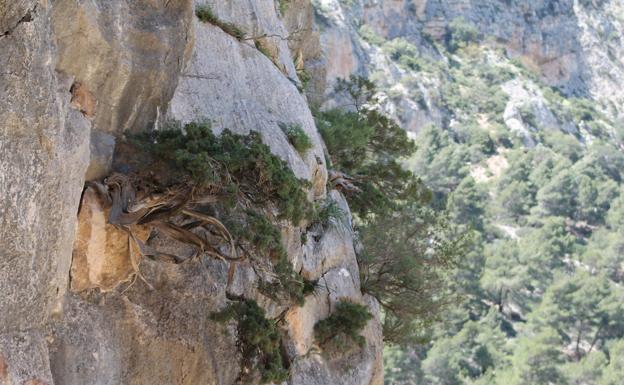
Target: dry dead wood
{"x": 133, "y": 204}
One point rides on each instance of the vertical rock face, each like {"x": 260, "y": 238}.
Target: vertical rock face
{"x": 43, "y": 156}
{"x": 126, "y": 53}
{"x": 77, "y": 75}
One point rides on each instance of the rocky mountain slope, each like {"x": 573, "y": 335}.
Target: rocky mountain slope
{"x": 79, "y": 77}
{"x": 572, "y": 45}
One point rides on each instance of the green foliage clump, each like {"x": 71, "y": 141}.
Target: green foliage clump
{"x": 582, "y": 307}
{"x": 255, "y": 229}
{"x": 327, "y": 213}
{"x": 460, "y": 33}
{"x": 475, "y": 89}
{"x": 467, "y": 204}
{"x": 249, "y": 182}
{"x": 259, "y": 342}
{"x": 207, "y": 15}
{"x": 368, "y": 34}
{"x": 258, "y": 231}
{"x": 260, "y": 46}
{"x": 305, "y": 77}
{"x": 406, "y": 55}
{"x": 404, "y": 263}
{"x": 297, "y": 137}
{"x": 440, "y": 161}
{"x": 368, "y": 146}
{"x": 406, "y": 244}
{"x": 612, "y": 373}
{"x": 528, "y": 116}
{"x": 476, "y": 349}
{"x": 536, "y": 360}
{"x": 343, "y": 325}
{"x": 283, "y": 6}
{"x": 236, "y": 162}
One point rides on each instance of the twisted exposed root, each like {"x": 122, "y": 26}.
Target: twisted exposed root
{"x": 132, "y": 205}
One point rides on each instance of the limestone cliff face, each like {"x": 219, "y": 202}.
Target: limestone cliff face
{"x": 75, "y": 77}
{"x": 575, "y": 46}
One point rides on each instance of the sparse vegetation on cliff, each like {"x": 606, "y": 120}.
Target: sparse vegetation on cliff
{"x": 207, "y": 15}
{"x": 297, "y": 137}
{"x": 407, "y": 244}
{"x": 237, "y": 183}
{"x": 259, "y": 342}
{"x": 343, "y": 326}
{"x": 236, "y": 165}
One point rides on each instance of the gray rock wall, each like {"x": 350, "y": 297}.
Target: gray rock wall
{"x": 44, "y": 153}
{"x": 75, "y": 76}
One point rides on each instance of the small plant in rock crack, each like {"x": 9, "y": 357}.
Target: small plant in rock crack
{"x": 297, "y": 137}
{"x": 261, "y": 46}
{"x": 259, "y": 341}
{"x": 343, "y": 325}
{"x": 328, "y": 213}
{"x": 205, "y": 14}
{"x": 283, "y": 6}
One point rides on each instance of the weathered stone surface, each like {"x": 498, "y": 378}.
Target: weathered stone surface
{"x": 304, "y": 43}
{"x": 143, "y": 62}
{"x": 102, "y": 148}
{"x": 43, "y": 156}
{"x": 103, "y": 255}
{"x": 144, "y": 335}
{"x": 242, "y": 90}
{"x": 24, "y": 358}
{"x": 43, "y": 151}
{"x": 126, "y": 53}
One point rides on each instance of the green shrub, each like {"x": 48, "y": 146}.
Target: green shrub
{"x": 205, "y": 14}
{"x": 405, "y": 54}
{"x": 240, "y": 163}
{"x": 288, "y": 283}
{"x": 368, "y": 146}
{"x": 248, "y": 181}
{"x": 460, "y": 33}
{"x": 407, "y": 246}
{"x": 259, "y": 342}
{"x": 283, "y": 6}
{"x": 327, "y": 213}
{"x": 343, "y": 325}
{"x": 468, "y": 94}
{"x": 528, "y": 115}
{"x": 368, "y": 34}
{"x": 403, "y": 264}
{"x": 363, "y": 145}
{"x": 255, "y": 228}
{"x": 258, "y": 233}
{"x": 262, "y": 48}
{"x": 297, "y": 137}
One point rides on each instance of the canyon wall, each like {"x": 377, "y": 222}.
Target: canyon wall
{"x": 77, "y": 77}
